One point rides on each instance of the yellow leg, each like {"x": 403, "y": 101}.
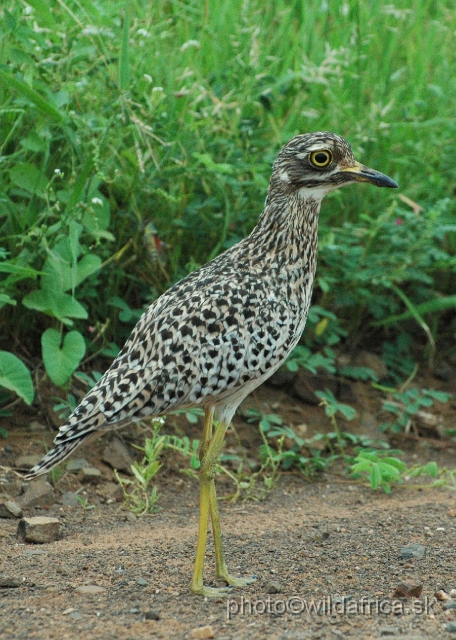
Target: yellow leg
{"x": 221, "y": 570}
{"x": 209, "y": 455}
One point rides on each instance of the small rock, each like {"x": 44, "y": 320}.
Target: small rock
{"x": 202, "y": 633}
{"x": 39, "y": 530}
{"x": 142, "y": 582}
{"x": 451, "y": 627}
{"x": 111, "y": 491}
{"x": 75, "y": 615}
{"x": 152, "y": 615}
{"x": 117, "y": 456}
{"x": 130, "y": 517}
{"x": 453, "y": 593}
{"x": 408, "y": 589}
{"x": 306, "y": 384}
{"x": 7, "y": 582}
{"x": 282, "y": 379}
{"x": 9, "y": 509}
{"x": 441, "y": 595}
{"x": 449, "y": 604}
{"x": 90, "y": 590}
{"x": 443, "y": 371}
{"x": 39, "y": 493}
{"x": 372, "y": 361}
{"x": 415, "y": 551}
{"x": 70, "y": 499}
{"x": 35, "y": 426}
{"x": 90, "y": 475}
{"x": 27, "y": 462}
{"x": 389, "y": 631}
{"x": 274, "y": 587}
{"x": 75, "y": 466}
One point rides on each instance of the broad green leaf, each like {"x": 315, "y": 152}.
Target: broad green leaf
{"x": 61, "y": 360}
{"x": 5, "y": 299}
{"x": 15, "y": 376}
{"x": 56, "y": 304}
{"x": 28, "y": 177}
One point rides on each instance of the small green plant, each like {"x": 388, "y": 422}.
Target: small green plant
{"x": 265, "y": 420}
{"x": 385, "y": 469}
{"x": 192, "y": 414}
{"x": 332, "y": 406}
{"x": 84, "y": 502}
{"x": 380, "y": 468}
{"x": 186, "y": 447}
{"x": 140, "y": 497}
{"x": 406, "y": 405}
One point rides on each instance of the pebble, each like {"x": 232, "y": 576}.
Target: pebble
{"x": 274, "y": 587}
{"x": 75, "y": 615}
{"x": 70, "y": 499}
{"x": 408, "y": 589}
{"x": 10, "y": 509}
{"x": 75, "y": 466}
{"x": 90, "y": 475}
{"x": 39, "y": 529}
{"x": 7, "y": 582}
{"x": 130, "y": 517}
{"x": 202, "y": 633}
{"x": 441, "y": 595}
{"x": 142, "y": 582}
{"x": 27, "y": 462}
{"x": 453, "y": 593}
{"x": 118, "y": 457}
{"x": 39, "y": 493}
{"x": 388, "y": 631}
{"x": 415, "y": 551}
{"x": 90, "y": 590}
{"x": 449, "y": 604}
{"x": 152, "y": 614}
{"x": 451, "y": 627}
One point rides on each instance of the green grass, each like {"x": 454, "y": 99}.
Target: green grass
{"x": 117, "y": 114}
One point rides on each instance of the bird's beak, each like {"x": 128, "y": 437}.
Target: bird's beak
{"x": 360, "y": 173}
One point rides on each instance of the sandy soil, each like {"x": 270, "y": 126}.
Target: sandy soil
{"x": 333, "y": 543}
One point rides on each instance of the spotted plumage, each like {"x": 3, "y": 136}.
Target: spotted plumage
{"x": 220, "y": 332}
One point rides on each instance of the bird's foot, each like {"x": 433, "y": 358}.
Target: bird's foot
{"x": 210, "y": 592}
{"x": 236, "y": 582}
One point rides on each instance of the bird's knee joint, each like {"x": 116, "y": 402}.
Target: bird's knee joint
{"x": 207, "y": 471}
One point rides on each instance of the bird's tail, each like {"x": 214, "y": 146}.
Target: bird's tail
{"x": 57, "y": 455}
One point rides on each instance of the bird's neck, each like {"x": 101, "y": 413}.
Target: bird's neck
{"x": 286, "y": 235}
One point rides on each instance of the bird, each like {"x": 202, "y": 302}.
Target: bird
{"x": 221, "y": 331}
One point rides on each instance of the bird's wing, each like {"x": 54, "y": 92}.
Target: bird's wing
{"x": 186, "y": 349}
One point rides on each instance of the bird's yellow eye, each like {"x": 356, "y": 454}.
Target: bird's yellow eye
{"x": 320, "y": 158}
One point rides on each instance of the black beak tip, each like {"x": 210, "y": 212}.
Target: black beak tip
{"x": 389, "y": 183}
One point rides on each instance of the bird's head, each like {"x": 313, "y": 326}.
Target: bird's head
{"x": 313, "y": 164}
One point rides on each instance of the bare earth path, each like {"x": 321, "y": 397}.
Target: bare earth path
{"x": 308, "y": 542}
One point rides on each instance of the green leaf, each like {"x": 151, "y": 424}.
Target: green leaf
{"x": 61, "y": 361}
{"x": 375, "y": 476}
{"x": 56, "y": 304}
{"x": 5, "y": 299}
{"x": 28, "y": 177}
{"x": 15, "y": 376}
{"x": 40, "y": 103}
{"x": 124, "y": 75}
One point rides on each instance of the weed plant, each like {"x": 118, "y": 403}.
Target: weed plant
{"x": 136, "y": 141}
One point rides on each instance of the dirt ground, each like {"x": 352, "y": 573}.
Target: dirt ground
{"x": 326, "y": 553}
